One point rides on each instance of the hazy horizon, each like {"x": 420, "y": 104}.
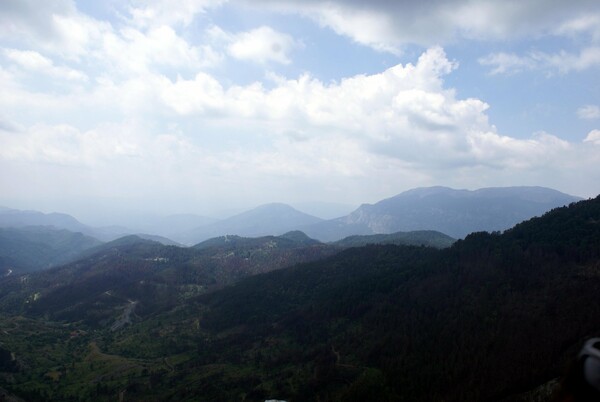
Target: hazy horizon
{"x": 118, "y": 109}
{"x": 135, "y": 218}
{"x": 106, "y": 216}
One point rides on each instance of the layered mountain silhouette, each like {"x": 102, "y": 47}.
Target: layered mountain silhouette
{"x": 158, "y": 276}
{"x": 268, "y": 219}
{"x": 453, "y": 212}
{"x": 35, "y": 220}
{"x": 490, "y": 318}
{"x": 175, "y": 227}
{"x": 484, "y": 320}
{"x": 38, "y": 247}
{"x": 18, "y": 218}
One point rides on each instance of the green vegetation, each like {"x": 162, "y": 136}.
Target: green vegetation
{"x": 493, "y": 317}
{"x": 96, "y": 289}
{"x": 429, "y": 238}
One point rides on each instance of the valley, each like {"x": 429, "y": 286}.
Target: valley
{"x": 299, "y": 201}
{"x": 409, "y": 316}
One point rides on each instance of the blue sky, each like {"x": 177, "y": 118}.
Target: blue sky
{"x": 204, "y": 105}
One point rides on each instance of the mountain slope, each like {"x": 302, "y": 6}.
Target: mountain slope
{"x": 490, "y": 317}
{"x": 38, "y": 247}
{"x": 268, "y": 219}
{"x": 287, "y": 240}
{"x": 453, "y": 212}
{"x": 156, "y": 276}
{"x": 17, "y": 218}
{"x": 427, "y": 238}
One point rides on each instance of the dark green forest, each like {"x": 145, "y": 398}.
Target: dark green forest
{"x": 491, "y": 318}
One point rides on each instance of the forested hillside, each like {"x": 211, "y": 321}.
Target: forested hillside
{"x": 490, "y": 318}
{"x": 428, "y": 238}
{"x": 159, "y": 277}
{"x": 493, "y": 316}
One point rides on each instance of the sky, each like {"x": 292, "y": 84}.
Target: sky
{"x": 120, "y": 107}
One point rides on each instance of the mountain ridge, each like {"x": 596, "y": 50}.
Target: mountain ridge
{"x": 31, "y": 248}
{"x": 266, "y": 219}
{"x": 453, "y": 212}
{"x": 403, "y": 323}
{"x": 492, "y": 316}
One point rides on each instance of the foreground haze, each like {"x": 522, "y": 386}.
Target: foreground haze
{"x": 114, "y": 107}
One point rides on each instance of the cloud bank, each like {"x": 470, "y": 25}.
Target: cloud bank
{"x": 388, "y": 25}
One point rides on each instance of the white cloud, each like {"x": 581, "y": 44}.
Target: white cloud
{"x": 33, "y": 61}
{"x": 32, "y": 19}
{"x": 589, "y": 112}
{"x": 9, "y": 126}
{"x": 131, "y": 50}
{"x": 403, "y": 114}
{"x": 588, "y": 24}
{"x": 566, "y": 62}
{"x": 377, "y": 29}
{"x": 57, "y": 27}
{"x": 201, "y": 134}
{"x": 262, "y": 45}
{"x": 145, "y": 13}
{"x": 387, "y": 25}
{"x": 593, "y": 137}
{"x": 202, "y": 95}
{"x": 562, "y": 62}
{"x": 353, "y": 103}
{"x": 504, "y": 63}
{"x": 69, "y": 34}
{"x": 66, "y": 145}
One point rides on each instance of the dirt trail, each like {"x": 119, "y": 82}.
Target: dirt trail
{"x": 125, "y": 317}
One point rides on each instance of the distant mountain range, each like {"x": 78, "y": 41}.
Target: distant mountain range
{"x": 268, "y": 219}
{"x": 176, "y": 227}
{"x": 14, "y": 218}
{"x": 489, "y": 318}
{"x": 34, "y": 248}
{"x": 18, "y": 218}
{"x": 453, "y": 212}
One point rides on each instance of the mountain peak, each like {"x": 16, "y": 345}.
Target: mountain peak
{"x": 298, "y": 236}
{"x": 275, "y": 207}
{"x": 18, "y": 218}
{"x": 453, "y": 212}
{"x": 429, "y": 191}
{"x": 267, "y": 219}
